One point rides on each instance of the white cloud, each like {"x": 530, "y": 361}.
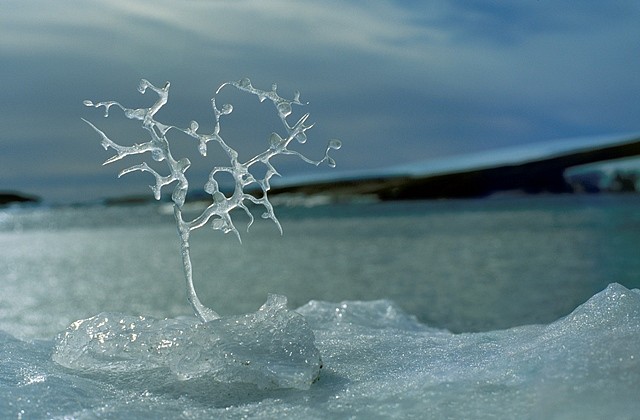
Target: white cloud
{"x": 442, "y": 75}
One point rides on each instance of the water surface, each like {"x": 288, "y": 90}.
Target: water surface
{"x": 463, "y": 265}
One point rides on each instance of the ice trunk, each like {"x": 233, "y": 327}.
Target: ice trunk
{"x": 205, "y": 314}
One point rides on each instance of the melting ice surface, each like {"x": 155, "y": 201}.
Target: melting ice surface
{"x": 377, "y": 362}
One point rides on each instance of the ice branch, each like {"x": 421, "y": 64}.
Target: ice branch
{"x": 218, "y": 213}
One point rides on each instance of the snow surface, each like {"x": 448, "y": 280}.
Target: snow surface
{"x": 378, "y": 362}
{"x": 607, "y": 170}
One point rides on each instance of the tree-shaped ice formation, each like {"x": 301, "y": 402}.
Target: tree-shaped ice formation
{"x": 218, "y": 212}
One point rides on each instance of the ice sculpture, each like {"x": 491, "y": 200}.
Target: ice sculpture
{"x": 218, "y": 212}
{"x": 271, "y": 348}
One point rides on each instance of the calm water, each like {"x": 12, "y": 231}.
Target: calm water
{"x": 469, "y": 265}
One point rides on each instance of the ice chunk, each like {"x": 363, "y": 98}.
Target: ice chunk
{"x": 379, "y": 362}
{"x": 271, "y": 348}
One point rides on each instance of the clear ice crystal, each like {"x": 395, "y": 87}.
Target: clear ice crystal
{"x": 272, "y": 348}
{"x": 218, "y": 212}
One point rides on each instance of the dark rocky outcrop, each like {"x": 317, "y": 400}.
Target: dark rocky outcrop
{"x": 12, "y": 197}
{"x": 539, "y": 175}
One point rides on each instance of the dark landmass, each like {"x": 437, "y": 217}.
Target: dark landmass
{"x": 524, "y": 172}
{"x": 540, "y": 175}
{"x": 12, "y": 197}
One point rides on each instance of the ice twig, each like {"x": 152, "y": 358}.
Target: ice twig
{"x": 218, "y": 213}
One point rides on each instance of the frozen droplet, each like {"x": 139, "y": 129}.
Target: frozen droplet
{"x": 218, "y": 224}
{"x": 142, "y": 87}
{"x": 245, "y": 83}
{"x": 226, "y": 109}
{"x": 157, "y": 155}
{"x": 202, "y": 148}
{"x": 284, "y": 109}
{"x": 156, "y": 191}
{"x": 193, "y": 127}
{"x": 211, "y": 186}
{"x": 87, "y": 102}
{"x": 335, "y": 144}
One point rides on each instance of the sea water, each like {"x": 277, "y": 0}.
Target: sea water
{"x": 507, "y": 307}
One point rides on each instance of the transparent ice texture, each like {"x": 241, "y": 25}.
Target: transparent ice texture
{"x": 159, "y": 147}
{"x": 218, "y": 213}
{"x": 271, "y": 348}
{"x": 379, "y": 362}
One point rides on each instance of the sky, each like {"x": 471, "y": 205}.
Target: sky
{"x": 395, "y": 81}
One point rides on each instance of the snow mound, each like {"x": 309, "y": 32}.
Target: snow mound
{"x": 272, "y": 348}
{"x": 378, "y": 362}
{"x": 386, "y": 364}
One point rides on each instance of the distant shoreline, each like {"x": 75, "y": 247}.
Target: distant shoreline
{"x": 15, "y": 197}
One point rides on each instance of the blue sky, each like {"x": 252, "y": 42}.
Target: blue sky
{"x": 396, "y": 81}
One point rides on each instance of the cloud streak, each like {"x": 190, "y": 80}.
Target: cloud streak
{"x": 395, "y": 80}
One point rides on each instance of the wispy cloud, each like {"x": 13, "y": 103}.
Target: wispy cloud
{"x": 396, "y": 80}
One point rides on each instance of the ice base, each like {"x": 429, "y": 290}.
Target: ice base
{"x": 379, "y": 362}
{"x": 271, "y": 348}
